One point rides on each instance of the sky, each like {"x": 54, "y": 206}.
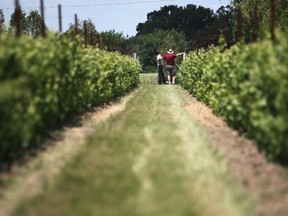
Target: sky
{"x": 119, "y": 15}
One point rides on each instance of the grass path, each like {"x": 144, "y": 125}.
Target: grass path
{"x": 150, "y": 159}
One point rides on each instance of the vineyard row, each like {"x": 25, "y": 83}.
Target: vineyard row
{"x": 45, "y": 81}
{"x": 247, "y": 84}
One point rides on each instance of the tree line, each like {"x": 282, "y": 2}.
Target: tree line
{"x": 176, "y": 27}
{"x": 31, "y": 23}
{"x": 181, "y": 28}
{"x": 173, "y": 27}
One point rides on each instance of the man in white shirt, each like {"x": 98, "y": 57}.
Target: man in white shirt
{"x": 161, "y": 78}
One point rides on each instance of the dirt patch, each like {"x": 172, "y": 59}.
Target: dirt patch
{"x": 261, "y": 180}
{"x": 26, "y": 180}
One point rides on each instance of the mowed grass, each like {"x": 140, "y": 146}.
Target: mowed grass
{"x": 151, "y": 159}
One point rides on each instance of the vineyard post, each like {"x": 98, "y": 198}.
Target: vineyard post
{"x": 193, "y": 48}
{"x": 272, "y": 25}
{"x": 17, "y": 17}
{"x": 76, "y": 24}
{"x": 206, "y": 43}
{"x": 215, "y": 36}
{"x": 211, "y": 34}
{"x": 98, "y": 37}
{"x": 43, "y": 18}
{"x": 85, "y": 34}
{"x": 104, "y": 41}
{"x": 203, "y": 41}
{"x": 225, "y": 28}
{"x": 256, "y": 27}
{"x": 60, "y": 17}
{"x": 239, "y": 25}
{"x": 125, "y": 49}
{"x": 210, "y": 38}
{"x": 108, "y": 44}
{"x": 92, "y": 39}
{"x": 122, "y": 50}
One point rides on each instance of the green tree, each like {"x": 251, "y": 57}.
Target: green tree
{"x": 189, "y": 20}
{"x": 22, "y": 20}
{"x": 174, "y": 40}
{"x": 112, "y": 40}
{"x": 34, "y": 23}
{"x": 2, "y": 20}
{"x": 147, "y": 46}
{"x": 225, "y": 14}
{"x": 90, "y": 30}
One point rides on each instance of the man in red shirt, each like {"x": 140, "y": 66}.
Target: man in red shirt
{"x": 170, "y": 65}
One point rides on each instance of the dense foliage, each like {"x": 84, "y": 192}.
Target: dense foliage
{"x": 246, "y": 84}
{"x": 189, "y": 20}
{"x": 45, "y": 81}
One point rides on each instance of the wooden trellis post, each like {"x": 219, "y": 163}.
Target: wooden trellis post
{"x": 60, "y": 18}
{"x": 239, "y": 25}
{"x": 256, "y": 23}
{"x": 225, "y": 24}
{"x": 17, "y": 18}
{"x": 85, "y": 34}
{"x": 76, "y": 24}
{"x": 272, "y": 24}
{"x": 43, "y": 33}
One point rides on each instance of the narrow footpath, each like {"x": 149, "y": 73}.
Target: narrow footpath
{"x": 158, "y": 155}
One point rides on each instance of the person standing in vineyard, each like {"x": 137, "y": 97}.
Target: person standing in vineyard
{"x": 170, "y": 66}
{"x": 159, "y": 59}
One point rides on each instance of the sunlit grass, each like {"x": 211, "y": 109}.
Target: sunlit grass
{"x": 151, "y": 159}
